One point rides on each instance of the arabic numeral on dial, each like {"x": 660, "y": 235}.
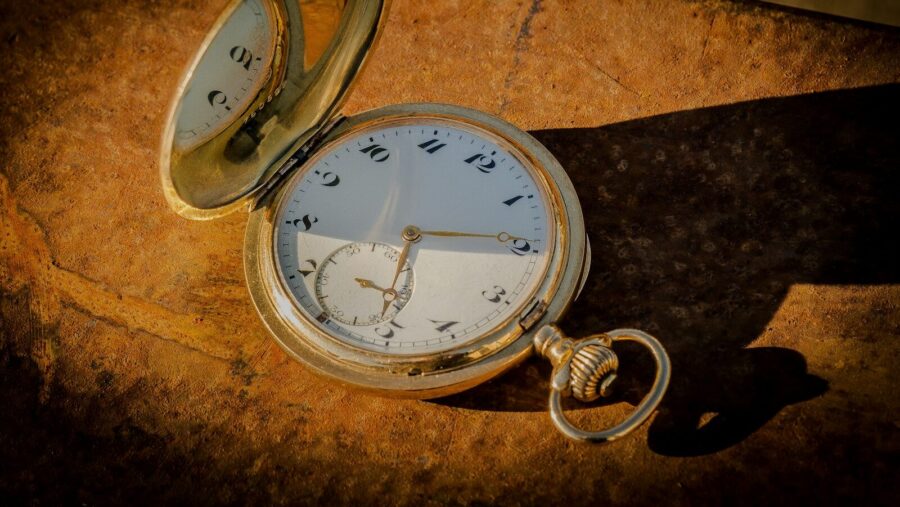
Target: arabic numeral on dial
{"x": 306, "y": 222}
{"x": 306, "y": 272}
{"x": 376, "y": 152}
{"x": 216, "y": 97}
{"x": 519, "y": 246}
{"x": 483, "y": 163}
{"x": 242, "y": 55}
{"x": 443, "y": 325}
{"x": 385, "y": 331}
{"x": 432, "y": 145}
{"x": 494, "y": 295}
{"x": 329, "y": 179}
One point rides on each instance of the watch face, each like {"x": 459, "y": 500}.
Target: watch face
{"x": 229, "y": 75}
{"x": 414, "y": 235}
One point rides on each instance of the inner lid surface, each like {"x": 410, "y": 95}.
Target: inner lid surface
{"x": 269, "y": 75}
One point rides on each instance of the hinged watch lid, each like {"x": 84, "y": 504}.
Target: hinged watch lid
{"x": 266, "y": 79}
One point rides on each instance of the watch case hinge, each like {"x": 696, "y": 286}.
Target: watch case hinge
{"x": 297, "y": 159}
{"x": 532, "y": 314}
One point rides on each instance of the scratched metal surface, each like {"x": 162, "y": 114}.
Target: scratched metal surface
{"x": 737, "y": 168}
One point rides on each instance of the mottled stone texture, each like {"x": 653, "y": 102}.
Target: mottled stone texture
{"x": 738, "y": 168}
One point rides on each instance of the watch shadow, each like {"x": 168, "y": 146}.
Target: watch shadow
{"x": 700, "y": 222}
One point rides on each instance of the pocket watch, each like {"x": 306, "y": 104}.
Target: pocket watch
{"x": 415, "y": 250}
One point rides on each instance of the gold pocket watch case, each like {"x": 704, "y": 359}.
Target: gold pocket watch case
{"x": 415, "y": 250}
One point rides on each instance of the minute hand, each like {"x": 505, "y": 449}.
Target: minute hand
{"x": 502, "y": 237}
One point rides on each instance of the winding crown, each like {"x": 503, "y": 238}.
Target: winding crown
{"x": 584, "y": 368}
{"x": 593, "y": 369}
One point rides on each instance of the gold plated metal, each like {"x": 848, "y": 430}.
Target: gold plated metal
{"x": 222, "y": 174}
{"x": 389, "y": 295}
{"x": 585, "y": 369}
{"x": 369, "y": 284}
{"x": 502, "y": 237}
{"x": 409, "y": 236}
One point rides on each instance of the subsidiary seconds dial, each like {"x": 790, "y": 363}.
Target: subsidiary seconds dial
{"x": 372, "y": 266}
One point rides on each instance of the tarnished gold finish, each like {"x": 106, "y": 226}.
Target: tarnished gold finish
{"x": 586, "y": 368}
{"x": 223, "y": 173}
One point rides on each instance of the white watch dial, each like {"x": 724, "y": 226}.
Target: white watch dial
{"x": 485, "y": 234}
{"x": 230, "y": 74}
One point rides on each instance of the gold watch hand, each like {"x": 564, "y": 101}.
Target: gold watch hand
{"x": 410, "y": 235}
{"x": 389, "y": 295}
{"x": 368, "y": 284}
{"x": 502, "y": 237}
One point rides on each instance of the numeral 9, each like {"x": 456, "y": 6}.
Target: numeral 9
{"x": 494, "y": 296}
{"x": 330, "y": 179}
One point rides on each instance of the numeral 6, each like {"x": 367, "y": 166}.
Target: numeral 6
{"x": 494, "y": 296}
